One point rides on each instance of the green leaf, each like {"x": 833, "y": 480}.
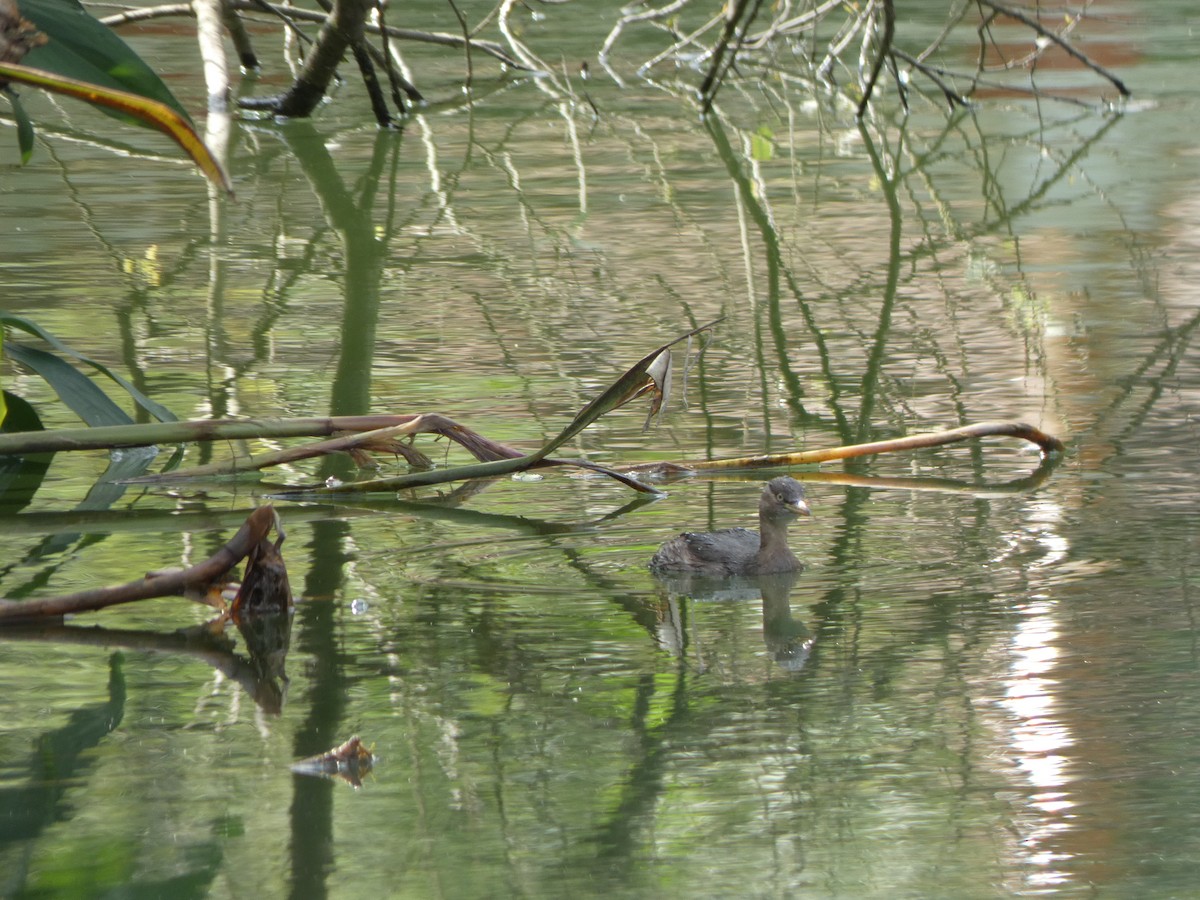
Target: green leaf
{"x": 155, "y": 409}
{"x": 20, "y": 476}
{"x": 81, "y": 48}
{"x": 24, "y": 126}
{"x": 762, "y": 145}
{"x": 112, "y": 485}
{"x": 74, "y": 389}
{"x": 18, "y": 415}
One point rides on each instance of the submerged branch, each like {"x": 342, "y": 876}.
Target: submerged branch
{"x": 198, "y": 577}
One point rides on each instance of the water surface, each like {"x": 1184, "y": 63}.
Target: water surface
{"x": 981, "y": 683}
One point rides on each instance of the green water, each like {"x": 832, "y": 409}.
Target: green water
{"x": 982, "y": 683}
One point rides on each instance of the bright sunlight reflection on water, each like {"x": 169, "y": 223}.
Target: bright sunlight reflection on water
{"x": 1040, "y": 741}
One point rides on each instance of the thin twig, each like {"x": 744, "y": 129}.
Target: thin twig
{"x": 462, "y": 21}
{"x": 308, "y": 15}
{"x": 708, "y": 89}
{"x": 383, "y": 57}
{"x": 841, "y": 41}
{"x": 366, "y": 68}
{"x": 527, "y": 56}
{"x": 679, "y": 44}
{"x": 1051, "y": 36}
{"x": 648, "y": 15}
{"x": 881, "y": 54}
{"x": 934, "y": 74}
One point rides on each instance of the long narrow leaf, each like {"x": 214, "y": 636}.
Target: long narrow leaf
{"x": 155, "y": 409}
{"x": 152, "y": 112}
{"x": 24, "y": 126}
{"x": 650, "y": 373}
{"x": 81, "y": 47}
{"x": 74, "y": 389}
{"x": 644, "y": 376}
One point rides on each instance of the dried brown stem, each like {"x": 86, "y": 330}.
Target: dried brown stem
{"x": 378, "y": 439}
{"x": 114, "y": 437}
{"x": 255, "y": 529}
{"x": 1048, "y": 444}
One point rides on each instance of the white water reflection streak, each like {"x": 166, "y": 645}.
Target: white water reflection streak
{"x": 1039, "y": 738}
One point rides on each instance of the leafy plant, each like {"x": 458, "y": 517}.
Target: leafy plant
{"x": 77, "y": 391}
{"x": 21, "y": 475}
{"x": 61, "y": 49}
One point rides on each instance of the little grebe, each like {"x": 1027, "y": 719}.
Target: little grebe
{"x": 740, "y": 551}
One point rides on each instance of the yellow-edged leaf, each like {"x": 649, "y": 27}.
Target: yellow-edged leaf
{"x": 157, "y": 115}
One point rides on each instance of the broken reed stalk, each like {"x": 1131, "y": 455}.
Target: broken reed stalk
{"x": 651, "y": 374}
{"x": 115, "y": 437}
{"x": 1047, "y": 442}
{"x": 380, "y": 431}
{"x": 255, "y": 529}
{"x": 381, "y": 440}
